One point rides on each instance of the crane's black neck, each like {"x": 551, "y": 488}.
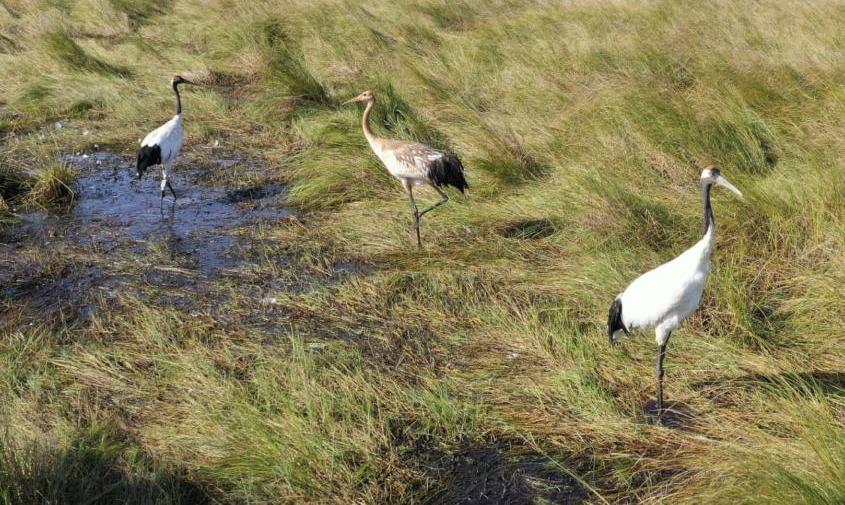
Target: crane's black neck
{"x": 178, "y": 98}
{"x": 708, "y": 210}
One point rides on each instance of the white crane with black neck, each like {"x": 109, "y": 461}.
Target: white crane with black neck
{"x": 664, "y": 297}
{"x": 162, "y": 145}
{"x": 414, "y": 164}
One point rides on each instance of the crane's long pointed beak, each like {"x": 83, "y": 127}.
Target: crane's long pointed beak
{"x": 721, "y": 181}
{"x": 351, "y": 100}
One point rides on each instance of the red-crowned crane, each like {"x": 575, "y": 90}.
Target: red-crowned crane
{"x": 414, "y": 164}
{"x": 664, "y": 297}
{"x": 161, "y": 146}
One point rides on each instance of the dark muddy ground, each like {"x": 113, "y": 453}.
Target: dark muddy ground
{"x": 114, "y": 208}
{"x": 498, "y": 473}
{"x": 118, "y": 238}
{"x": 675, "y": 415}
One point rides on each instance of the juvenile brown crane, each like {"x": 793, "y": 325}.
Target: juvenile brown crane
{"x": 414, "y": 164}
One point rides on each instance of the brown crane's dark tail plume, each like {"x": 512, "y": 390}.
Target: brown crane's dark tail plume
{"x": 448, "y": 171}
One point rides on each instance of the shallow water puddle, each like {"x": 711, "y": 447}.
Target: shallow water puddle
{"x": 112, "y": 207}
{"x": 184, "y": 255}
{"x": 118, "y": 225}
{"x": 113, "y": 198}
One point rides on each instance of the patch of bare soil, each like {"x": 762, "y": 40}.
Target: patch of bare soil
{"x": 498, "y": 473}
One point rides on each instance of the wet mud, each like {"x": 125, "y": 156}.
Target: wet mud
{"x": 498, "y": 473}
{"x": 123, "y": 225}
{"x": 675, "y": 415}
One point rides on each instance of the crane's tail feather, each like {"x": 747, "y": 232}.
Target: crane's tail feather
{"x": 615, "y": 326}
{"x": 448, "y": 171}
{"x": 147, "y": 157}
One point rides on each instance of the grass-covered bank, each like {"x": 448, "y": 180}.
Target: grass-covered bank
{"x": 479, "y": 366}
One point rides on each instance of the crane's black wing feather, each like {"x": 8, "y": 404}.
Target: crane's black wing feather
{"x": 614, "y": 319}
{"x": 147, "y": 157}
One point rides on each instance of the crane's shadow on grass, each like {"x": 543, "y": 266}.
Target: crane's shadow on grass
{"x": 92, "y": 469}
{"x": 826, "y": 383}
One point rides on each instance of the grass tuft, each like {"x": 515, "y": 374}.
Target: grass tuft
{"x": 506, "y": 158}
{"x": 61, "y": 47}
{"x": 401, "y": 120}
{"x": 52, "y": 187}
{"x": 450, "y": 15}
{"x": 140, "y": 12}
{"x": 286, "y": 66}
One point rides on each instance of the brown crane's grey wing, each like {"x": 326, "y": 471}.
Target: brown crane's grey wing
{"x": 413, "y": 159}
{"x": 437, "y": 167}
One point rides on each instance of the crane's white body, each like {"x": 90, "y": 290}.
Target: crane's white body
{"x": 168, "y": 137}
{"x": 664, "y": 297}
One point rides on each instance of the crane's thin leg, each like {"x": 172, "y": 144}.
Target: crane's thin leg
{"x": 163, "y": 181}
{"x": 166, "y": 183}
{"x": 660, "y": 357}
{"x": 438, "y": 204}
{"x": 171, "y": 190}
{"x": 416, "y": 215}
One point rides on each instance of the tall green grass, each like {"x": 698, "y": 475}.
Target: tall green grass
{"x": 64, "y": 49}
{"x": 583, "y": 126}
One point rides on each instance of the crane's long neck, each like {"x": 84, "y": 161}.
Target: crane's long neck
{"x": 178, "y": 99}
{"x": 709, "y": 223}
{"x": 365, "y": 123}
{"x": 708, "y": 210}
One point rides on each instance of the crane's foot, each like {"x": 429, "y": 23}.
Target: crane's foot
{"x": 674, "y": 414}
{"x": 653, "y": 414}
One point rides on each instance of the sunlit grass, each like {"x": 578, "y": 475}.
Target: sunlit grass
{"x": 52, "y": 186}
{"x": 583, "y": 127}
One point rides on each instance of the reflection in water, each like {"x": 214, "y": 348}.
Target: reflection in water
{"x": 114, "y": 208}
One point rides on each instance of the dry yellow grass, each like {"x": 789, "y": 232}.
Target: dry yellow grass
{"x": 583, "y": 125}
